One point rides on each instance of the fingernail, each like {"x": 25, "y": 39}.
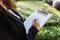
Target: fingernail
{"x": 35, "y": 20}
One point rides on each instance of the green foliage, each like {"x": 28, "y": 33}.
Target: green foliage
{"x": 27, "y": 0}
{"x": 49, "y": 33}
{"x": 51, "y": 30}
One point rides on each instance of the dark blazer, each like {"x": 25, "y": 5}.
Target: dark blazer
{"x": 12, "y": 28}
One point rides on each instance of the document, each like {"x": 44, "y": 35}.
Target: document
{"x": 37, "y": 14}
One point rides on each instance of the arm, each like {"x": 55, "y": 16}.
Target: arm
{"x": 32, "y": 33}
{"x": 33, "y": 30}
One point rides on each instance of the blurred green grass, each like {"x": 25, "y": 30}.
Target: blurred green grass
{"x": 49, "y": 33}
{"x": 51, "y": 30}
{"x": 33, "y": 5}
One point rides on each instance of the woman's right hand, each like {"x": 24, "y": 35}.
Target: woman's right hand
{"x": 36, "y": 24}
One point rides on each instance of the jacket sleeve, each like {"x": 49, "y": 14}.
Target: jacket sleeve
{"x": 32, "y": 33}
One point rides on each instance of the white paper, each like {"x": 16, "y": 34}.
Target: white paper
{"x": 42, "y": 17}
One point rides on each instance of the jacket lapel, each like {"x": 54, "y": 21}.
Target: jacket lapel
{"x": 9, "y": 14}
{"x": 17, "y": 14}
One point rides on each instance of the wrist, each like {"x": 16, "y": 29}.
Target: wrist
{"x": 38, "y": 28}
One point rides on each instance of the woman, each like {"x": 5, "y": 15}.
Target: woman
{"x": 11, "y": 23}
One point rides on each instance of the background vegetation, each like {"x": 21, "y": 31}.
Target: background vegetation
{"x": 27, "y": 0}
{"x": 51, "y": 31}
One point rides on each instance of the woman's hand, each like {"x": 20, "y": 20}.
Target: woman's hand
{"x": 45, "y": 10}
{"x": 36, "y": 24}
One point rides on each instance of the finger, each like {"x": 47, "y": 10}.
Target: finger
{"x": 35, "y": 20}
{"x": 43, "y": 9}
{"x": 49, "y": 11}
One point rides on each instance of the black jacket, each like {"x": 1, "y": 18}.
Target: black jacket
{"x": 12, "y": 28}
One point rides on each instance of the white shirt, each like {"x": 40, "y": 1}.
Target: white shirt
{"x": 13, "y": 13}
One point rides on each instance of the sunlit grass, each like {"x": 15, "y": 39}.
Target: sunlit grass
{"x": 49, "y": 33}
{"x": 33, "y": 5}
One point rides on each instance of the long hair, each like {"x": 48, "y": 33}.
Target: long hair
{"x": 10, "y": 4}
